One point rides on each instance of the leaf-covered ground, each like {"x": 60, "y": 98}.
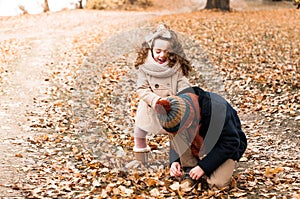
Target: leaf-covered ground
{"x": 257, "y": 54}
{"x": 83, "y": 142}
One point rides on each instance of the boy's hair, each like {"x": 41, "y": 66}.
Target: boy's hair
{"x": 176, "y": 55}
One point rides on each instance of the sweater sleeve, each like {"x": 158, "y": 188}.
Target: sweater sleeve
{"x": 225, "y": 148}
{"x": 144, "y": 90}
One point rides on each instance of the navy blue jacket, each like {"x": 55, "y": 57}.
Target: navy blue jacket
{"x": 220, "y": 129}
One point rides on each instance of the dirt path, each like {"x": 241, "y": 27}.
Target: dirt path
{"x": 24, "y": 83}
{"x": 26, "y": 76}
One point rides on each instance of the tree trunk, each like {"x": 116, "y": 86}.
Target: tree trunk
{"x": 223, "y": 5}
{"x": 80, "y": 4}
{"x": 46, "y": 6}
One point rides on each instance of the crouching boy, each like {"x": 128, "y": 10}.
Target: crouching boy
{"x": 206, "y": 138}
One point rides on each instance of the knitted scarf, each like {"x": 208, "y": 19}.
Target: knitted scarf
{"x": 195, "y": 139}
{"x": 155, "y": 69}
{"x": 191, "y": 125}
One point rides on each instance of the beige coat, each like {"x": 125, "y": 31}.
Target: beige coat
{"x": 153, "y": 84}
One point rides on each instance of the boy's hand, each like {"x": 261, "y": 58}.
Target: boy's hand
{"x": 163, "y": 106}
{"x": 175, "y": 169}
{"x": 196, "y": 173}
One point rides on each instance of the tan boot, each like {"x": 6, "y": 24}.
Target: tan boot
{"x": 142, "y": 154}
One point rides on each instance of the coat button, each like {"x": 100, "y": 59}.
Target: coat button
{"x": 156, "y": 86}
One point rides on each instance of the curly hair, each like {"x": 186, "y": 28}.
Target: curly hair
{"x": 176, "y": 53}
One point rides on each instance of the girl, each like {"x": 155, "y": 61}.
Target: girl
{"x": 162, "y": 70}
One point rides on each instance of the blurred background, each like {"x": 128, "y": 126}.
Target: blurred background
{"x": 17, "y": 7}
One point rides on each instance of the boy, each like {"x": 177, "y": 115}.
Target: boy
{"x": 205, "y": 135}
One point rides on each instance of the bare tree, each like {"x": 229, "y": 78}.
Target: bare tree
{"x": 80, "y": 4}
{"x": 46, "y": 6}
{"x": 218, "y": 4}
{"x": 23, "y": 9}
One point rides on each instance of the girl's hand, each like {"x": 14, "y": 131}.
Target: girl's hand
{"x": 175, "y": 169}
{"x": 196, "y": 173}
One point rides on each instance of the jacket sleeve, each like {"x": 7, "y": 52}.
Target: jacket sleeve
{"x": 225, "y": 148}
{"x": 144, "y": 90}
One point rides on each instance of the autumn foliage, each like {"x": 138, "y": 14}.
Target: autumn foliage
{"x": 84, "y": 127}
{"x": 120, "y": 4}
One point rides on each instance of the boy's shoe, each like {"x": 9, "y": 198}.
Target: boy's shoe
{"x": 192, "y": 183}
{"x": 203, "y": 182}
{"x": 187, "y": 179}
{"x": 188, "y": 183}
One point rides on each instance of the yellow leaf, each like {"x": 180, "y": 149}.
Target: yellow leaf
{"x": 150, "y": 182}
{"x": 270, "y": 172}
{"x": 277, "y": 170}
{"x": 19, "y": 155}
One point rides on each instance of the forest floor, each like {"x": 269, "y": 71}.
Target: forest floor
{"x": 67, "y": 100}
